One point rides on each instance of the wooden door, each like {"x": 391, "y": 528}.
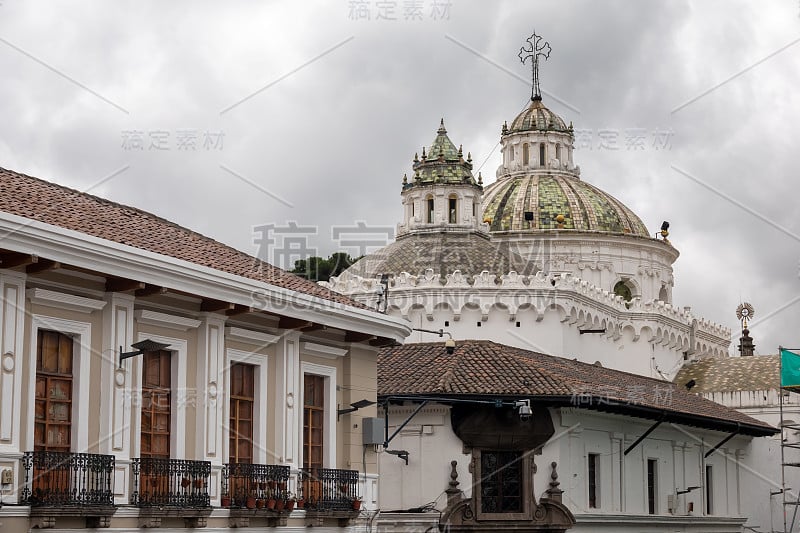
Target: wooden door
{"x": 240, "y": 443}
{"x": 52, "y": 432}
{"x": 313, "y": 439}
{"x": 156, "y": 421}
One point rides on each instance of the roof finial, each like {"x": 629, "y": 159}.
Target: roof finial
{"x": 744, "y": 313}
{"x": 405, "y": 179}
{"x": 441, "y": 127}
{"x": 480, "y": 178}
{"x": 424, "y": 157}
{"x": 537, "y": 49}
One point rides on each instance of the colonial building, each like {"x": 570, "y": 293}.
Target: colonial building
{"x": 543, "y": 443}
{"x": 152, "y": 376}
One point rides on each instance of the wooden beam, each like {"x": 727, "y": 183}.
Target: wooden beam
{"x": 210, "y": 306}
{"x": 240, "y": 310}
{"x": 287, "y": 322}
{"x": 123, "y": 284}
{"x": 355, "y": 336}
{"x": 382, "y": 342}
{"x": 150, "y": 290}
{"x": 42, "y": 265}
{"x": 14, "y": 259}
{"x": 314, "y": 327}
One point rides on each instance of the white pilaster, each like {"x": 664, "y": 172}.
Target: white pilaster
{"x": 288, "y": 410}
{"x": 115, "y": 394}
{"x": 210, "y": 362}
{"x": 12, "y": 329}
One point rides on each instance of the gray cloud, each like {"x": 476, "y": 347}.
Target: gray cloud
{"x": 334, "y": 138}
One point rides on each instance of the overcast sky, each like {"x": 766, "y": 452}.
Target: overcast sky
{"x": 225, "y": 116}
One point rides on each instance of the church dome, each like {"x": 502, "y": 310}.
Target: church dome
{"x": 444, "y": 252}
{"x": 537, "y": 117}
{"x": 548, "y": 201}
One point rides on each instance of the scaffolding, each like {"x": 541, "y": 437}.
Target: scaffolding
{"x": 790, "y": 429}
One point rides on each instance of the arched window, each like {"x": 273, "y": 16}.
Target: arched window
{"x": 541, "y": 155}
{"x": 525, "y": 154}
{"x": 558, "y": 152}
{"x": 663, "y": 294}
{"x": 452, "y": 212}
{"x": 430, "y": 211}
{"x": 623, "y": 289}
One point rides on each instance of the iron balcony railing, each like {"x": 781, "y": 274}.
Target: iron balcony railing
{"x": 63, "y": 479}
{"x": 328, "y": 489}
{"x": 256, "y": 486}
{"x": 175, "y": 483}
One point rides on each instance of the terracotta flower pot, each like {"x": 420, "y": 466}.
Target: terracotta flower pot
{"x": 251, "y": 502}
{"x": 225, "y": 501}
{"x": 260, "y": 503}
{"x": 290, "y": 505}
{"x": 356, "y": 505}
{"x": 279, "y": 505}
{"x": 301, "y": 503}
{"x": 185, "y": 482}
{"x": 271, "y": 503}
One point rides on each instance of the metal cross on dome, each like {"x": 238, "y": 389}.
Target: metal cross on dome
{"x": 537, "y": 48}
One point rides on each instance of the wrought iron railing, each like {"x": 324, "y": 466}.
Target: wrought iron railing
{"x": 328, "y": 489}
{"x": 256, "y": 486}
{"x": 170, "y": 483}
{"x": 63, "y": 479}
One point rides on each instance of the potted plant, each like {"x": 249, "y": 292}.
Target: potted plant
{"x": 198, "y": 483}
{"x": 356, "y": 504}
{"x": 301, "y": 503}
{"x": 290, "y": 502}
{"x": 260, "y": 503}
{"x": 185, "y": 482}
{"x": 271, "y": 503}
{"x": 250, "y": 503}
{"x": 225, "y": 501}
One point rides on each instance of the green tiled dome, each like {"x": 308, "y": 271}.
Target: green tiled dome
{"x": 442, "y": 163}
{"x": 545, "y": 197}
{"x": 538, "y": 117}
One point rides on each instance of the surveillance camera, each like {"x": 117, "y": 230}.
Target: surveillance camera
{"x": 525, "y": 411}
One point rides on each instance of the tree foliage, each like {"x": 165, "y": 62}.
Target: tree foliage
{"x": 321, "y": 269}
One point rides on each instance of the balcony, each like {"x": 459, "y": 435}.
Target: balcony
{"x": 171, "y": 488}
{"x": 68, "y": 484}
{"x": 254, "y": 486}
{"x": 329, "y": 491}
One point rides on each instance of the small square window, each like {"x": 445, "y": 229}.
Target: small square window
{"x": 446, "y": 323}
{"x": 479, "y": 323}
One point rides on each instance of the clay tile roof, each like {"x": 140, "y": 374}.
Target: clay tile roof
{"x": 731, "y": 374}
{"x": 50, "y": 203}
{"x": 484, "y": 368}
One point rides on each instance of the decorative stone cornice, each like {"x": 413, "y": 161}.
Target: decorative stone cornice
{"x": 62, "y": 300}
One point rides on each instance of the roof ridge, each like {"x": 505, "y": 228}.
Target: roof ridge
{"x": 158, "y": 218}
{"x": 160, "y": 235}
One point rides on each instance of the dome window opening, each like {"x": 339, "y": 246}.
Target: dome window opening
{"x": 558, "y": 152}
{"x": 511, "y": 153}
{"x": 452, "y": 211}
{"x": 541, "y": 155}
{"x": 430, "y": 210}
{"x": 626, "y": 290}
{"x": 525, "y": 154}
